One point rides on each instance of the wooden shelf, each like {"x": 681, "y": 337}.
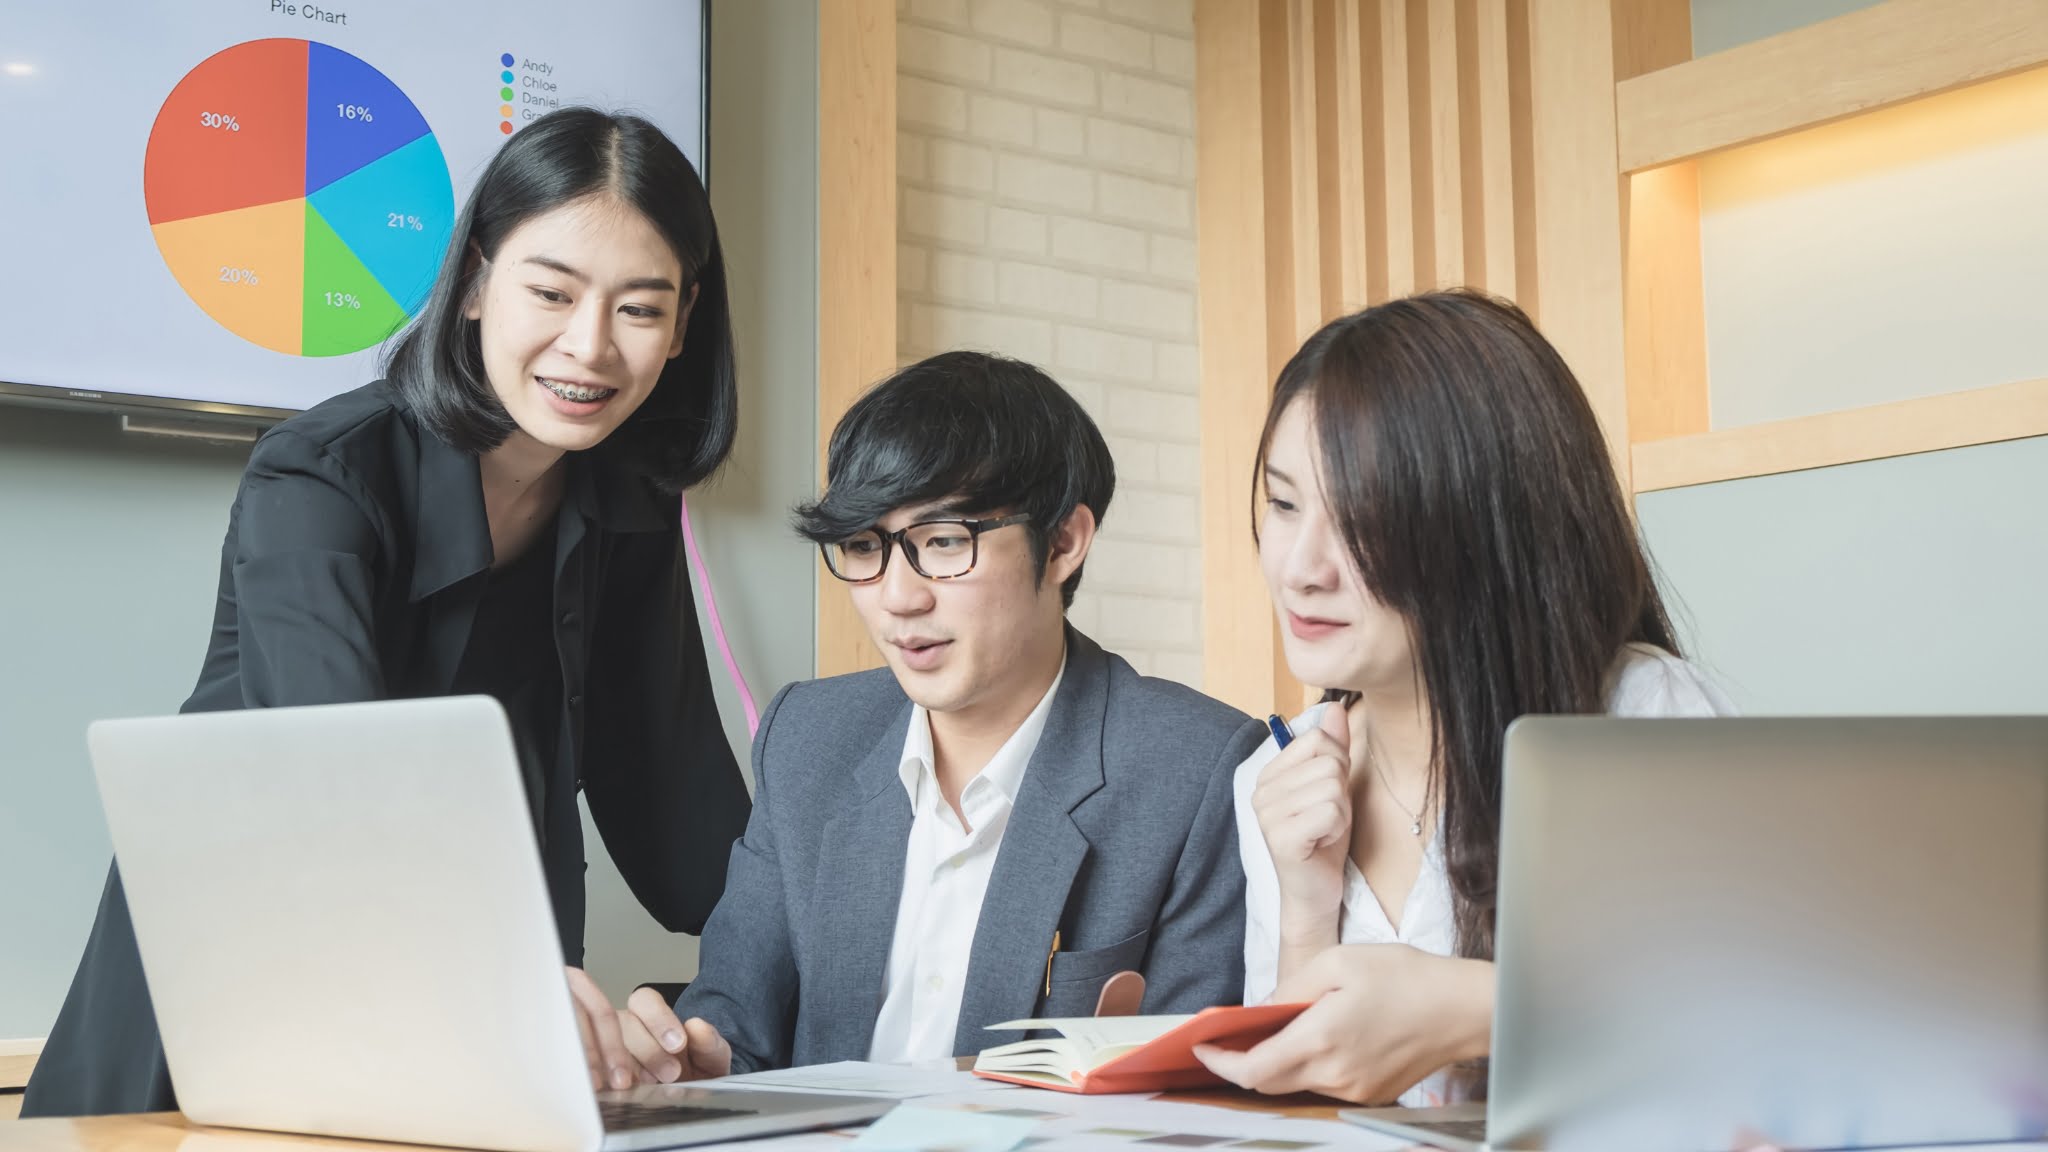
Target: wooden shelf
{"x": 1955, "y": 420}
{"x": 1895, "y": 52}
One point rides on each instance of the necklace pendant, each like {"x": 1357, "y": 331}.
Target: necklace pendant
{"x": 1416, "y": 828}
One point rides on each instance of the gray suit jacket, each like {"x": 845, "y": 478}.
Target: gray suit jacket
{"x": 1122, "y": 840}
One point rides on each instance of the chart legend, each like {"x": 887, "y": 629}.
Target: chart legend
{"x": 505, "y": 94}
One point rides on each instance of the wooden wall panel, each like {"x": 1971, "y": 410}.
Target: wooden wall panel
{"x": 1244, "y": 221}
{"x": 1351, "y": 152}
{"x": 1446, "y": 145}
{"x": 1494, "y": 174}
{"x": 1357, "y": 130}
{"x": 1664, "y": 307}
{"x": 856, "y": 256}
{"x": 1901, "y": 428}
{"x": 1578, "y": 203}
{"x": 1858, "y": 62}
{"x": 1397, "y": 150}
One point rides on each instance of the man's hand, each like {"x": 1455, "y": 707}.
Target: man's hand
{"x": 668, "y": 1049}
{"x": 643, "y": 1043}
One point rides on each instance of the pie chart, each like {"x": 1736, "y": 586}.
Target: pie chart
{"x": 297, "y": 196}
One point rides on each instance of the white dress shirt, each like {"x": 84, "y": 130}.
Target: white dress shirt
{"x": 946, "y": 869}
{"x": 1646, "y": 681}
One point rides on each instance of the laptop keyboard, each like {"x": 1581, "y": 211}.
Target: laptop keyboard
{"x": 626, "y": 1115}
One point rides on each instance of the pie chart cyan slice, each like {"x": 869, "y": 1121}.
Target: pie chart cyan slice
{"x": 394, "y": 214}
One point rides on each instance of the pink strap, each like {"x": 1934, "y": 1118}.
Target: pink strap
{"x": 732, "y": 666}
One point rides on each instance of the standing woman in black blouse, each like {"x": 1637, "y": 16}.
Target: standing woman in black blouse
{"x": 499, "y": 515}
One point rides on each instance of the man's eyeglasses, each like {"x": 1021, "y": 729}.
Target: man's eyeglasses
{"x": 936, "y": 549}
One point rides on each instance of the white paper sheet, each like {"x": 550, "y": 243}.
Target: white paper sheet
{"x": 860, "y": 1078}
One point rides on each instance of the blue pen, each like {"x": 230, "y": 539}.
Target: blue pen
{"x": 1282, "y": 734}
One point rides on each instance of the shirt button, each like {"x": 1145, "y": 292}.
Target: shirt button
{"x": 934, "y": 982}
{"x": 568, "y": 619}
{"x": 576, "y": 702}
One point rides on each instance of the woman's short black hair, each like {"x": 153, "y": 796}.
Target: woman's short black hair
{"x": 685, "y": 429}
{"x": 969, "y": 428}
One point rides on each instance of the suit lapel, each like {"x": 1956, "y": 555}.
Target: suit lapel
{"x": 860, "y": 884}
{"x": 1042, "y": 851}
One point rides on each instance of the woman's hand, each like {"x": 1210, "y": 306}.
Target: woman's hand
{"x": 1381, "y": 1017}
{"x": 1303, "y": 804}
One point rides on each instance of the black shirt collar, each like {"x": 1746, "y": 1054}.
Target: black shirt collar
{"x": 454, "y": 535}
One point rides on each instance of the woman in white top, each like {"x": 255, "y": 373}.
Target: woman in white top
{"x": 1447, "y": 549}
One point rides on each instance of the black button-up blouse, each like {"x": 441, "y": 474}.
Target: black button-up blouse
{"x": 357, "y": 556}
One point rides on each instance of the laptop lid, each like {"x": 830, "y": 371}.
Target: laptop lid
{"x": 344, "y": 924}
{"x": 1830, "y": 931}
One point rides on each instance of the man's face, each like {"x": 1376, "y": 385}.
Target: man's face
{"x": 976, "y": 641}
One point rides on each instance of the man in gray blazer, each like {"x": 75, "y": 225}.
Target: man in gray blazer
{"x": 996, "y": 823}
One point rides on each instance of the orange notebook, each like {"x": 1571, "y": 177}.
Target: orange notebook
{"x": 1102, "y": 1054}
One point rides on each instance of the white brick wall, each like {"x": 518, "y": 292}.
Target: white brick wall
{"x": 1046, "y": 161}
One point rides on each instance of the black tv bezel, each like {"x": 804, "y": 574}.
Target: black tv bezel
{"x": 108, "y": 401}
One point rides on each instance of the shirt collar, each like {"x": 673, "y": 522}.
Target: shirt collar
{"x": 1004, "y": 771}
{"x": 453, "y": 536}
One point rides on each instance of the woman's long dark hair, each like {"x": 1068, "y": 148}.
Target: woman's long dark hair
{"x": 685, "y": 428}
{"x": 1472, "y": 486}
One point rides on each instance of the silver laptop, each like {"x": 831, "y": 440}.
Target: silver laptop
{"x": 1829, "y": 933}
{"x": 346, "y": 932}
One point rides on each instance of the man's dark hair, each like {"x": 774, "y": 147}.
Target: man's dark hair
{"x": 973, "y": 431}
{"x": 685, "y": 429}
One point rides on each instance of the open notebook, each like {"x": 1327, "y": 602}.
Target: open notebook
{"x": 1100, "y": 1054}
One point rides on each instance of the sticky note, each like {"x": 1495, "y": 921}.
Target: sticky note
{"x": 908, "y": 1129}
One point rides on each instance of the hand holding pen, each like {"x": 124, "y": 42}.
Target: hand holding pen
{"x": 1303, "y": 804}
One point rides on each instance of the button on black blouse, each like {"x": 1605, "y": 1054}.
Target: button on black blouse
{"x": 357, "y": 566}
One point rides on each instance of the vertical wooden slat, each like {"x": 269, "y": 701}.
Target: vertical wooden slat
{"x": 1664, "y": 301}
{"x": 1471, "y": 160}
{"x": 1421, "y": 145}
{"x": 1354, "y": 150}
{"x": 1496, "y": 147}
{"x": 1578, "y": 203}
{"x": 1373, "y": 117}
{"x": 1302, "y": 164}
{"x": 1329, "y": 174}
{"x": 856, "y": 255}
{"x": 1312, "y": 163}
{"x": 1522, "y": 138}
{"x": 1272, "y": 49}
{"x": 1276, "y": 683}
{"x": 1446, "y": 151}
{"x": 1397, "y": 149}
{"x": 1244, "y": 245}
{"x": 1354, "y": 154}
